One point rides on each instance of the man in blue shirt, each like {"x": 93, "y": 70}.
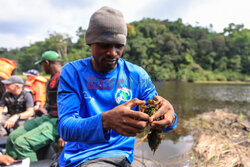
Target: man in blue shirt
{"x": 97, "y": 98}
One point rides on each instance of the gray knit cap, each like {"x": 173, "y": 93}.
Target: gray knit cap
{"x": 106, "y": 25}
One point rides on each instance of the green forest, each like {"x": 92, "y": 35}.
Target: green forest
{"x": 167, "y": 50}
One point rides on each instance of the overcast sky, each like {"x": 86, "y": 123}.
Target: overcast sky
{"x": 23, "y": 22}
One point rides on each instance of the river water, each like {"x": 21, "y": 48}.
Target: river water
{"x": 190, "y": 99}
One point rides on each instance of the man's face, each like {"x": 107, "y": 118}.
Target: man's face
{"x": 10, "y": 88}
{"x": 45, "y": 66}
{"x": 106, "y": 56}
{"x": 30, "y": 77}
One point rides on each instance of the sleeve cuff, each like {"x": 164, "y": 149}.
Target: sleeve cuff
{"x": 106, "y": 134}
{"x": 173, "y": 126}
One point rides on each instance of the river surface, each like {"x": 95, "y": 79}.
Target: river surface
{"x": 190, "y": 99}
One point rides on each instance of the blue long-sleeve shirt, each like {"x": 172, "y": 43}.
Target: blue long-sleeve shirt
{"x": 83, "y": 95}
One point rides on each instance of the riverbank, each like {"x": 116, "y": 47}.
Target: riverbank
{"x": 224, "y": 82}
{"x": 205, "y": 82}
{"x": 221, "y": 139}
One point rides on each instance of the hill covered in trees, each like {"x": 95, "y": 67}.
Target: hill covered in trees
{"x": 168, "y": 50}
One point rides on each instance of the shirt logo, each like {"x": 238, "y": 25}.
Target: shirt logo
{"x": 123, "y": 95}
{"x": 86, "y": 96}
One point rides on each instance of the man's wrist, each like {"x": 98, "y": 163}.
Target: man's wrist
{"x": 38, "y": 103}
{"x": 105, "y": 123}
{"x": 1, "y": 109}
{"x": 18, "y": 116}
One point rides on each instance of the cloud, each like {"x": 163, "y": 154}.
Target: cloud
{"x": 12, "y": 41}
{"x": 219, "y": 13}
{"x": 66, "y": 4}
{"x": 32, "y": 20}
{"x": 19, "y": 27}
{"x": 166, "y": 9}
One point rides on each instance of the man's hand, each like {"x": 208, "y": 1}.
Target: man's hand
{"x": 36, "y": 107}
{"x": 61, "y": 142}
{"x": 166, "y": 110}
{"x": 11, "y": 121}
{"x": 6, "y": 160}
{"x": 125, "y": 121}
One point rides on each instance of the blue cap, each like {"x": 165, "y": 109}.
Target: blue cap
{"x": 31, "y": 72}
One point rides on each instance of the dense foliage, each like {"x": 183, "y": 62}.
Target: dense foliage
{"x": 166, "y": 50}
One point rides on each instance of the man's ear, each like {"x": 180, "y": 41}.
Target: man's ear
{"x": 47, "y": 62}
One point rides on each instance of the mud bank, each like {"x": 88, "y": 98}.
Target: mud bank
{"x": 221, "y": 139}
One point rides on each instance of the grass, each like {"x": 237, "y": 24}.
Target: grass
{"x": 241, "y": 117}
{"x": 215, "y": 158}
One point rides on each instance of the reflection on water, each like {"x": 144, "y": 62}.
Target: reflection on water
{"x": 168, "y": 153}
{"x": 190, "y": 99}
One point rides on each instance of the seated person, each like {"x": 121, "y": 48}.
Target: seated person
{"x": 97, "y": 98}
{"x": 39, "y": 132}
{"x": 18, "y": 102}
{"x": 36, "y": 84}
